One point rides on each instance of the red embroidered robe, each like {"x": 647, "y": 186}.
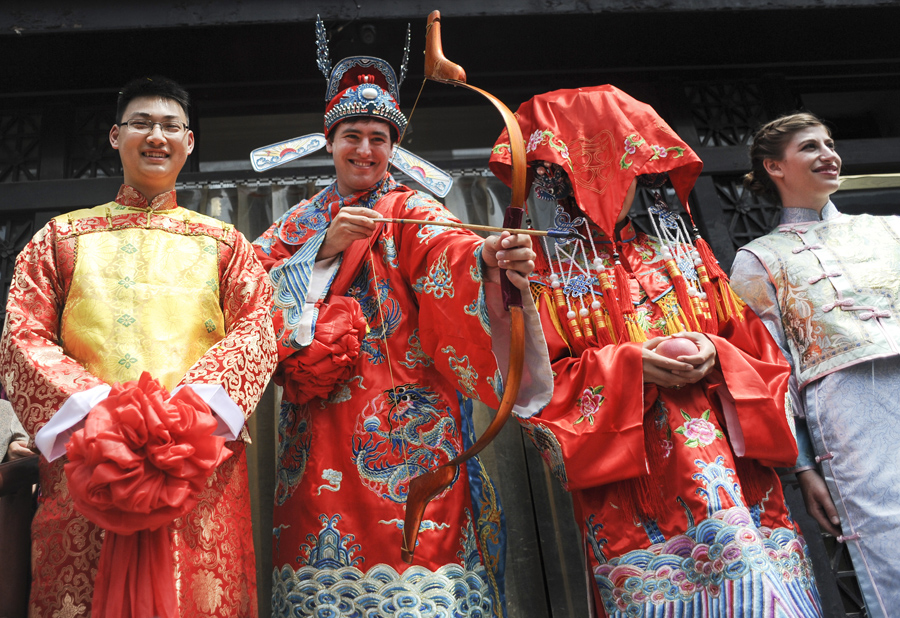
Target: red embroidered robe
{"x": 152, "y": 248}
{"x": 345, "y": 461}
{"x": 671, "y": 516}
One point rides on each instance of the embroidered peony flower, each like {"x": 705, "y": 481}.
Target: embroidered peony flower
{"x": 698, "y": 431}
{"x": 535, "y": 140}
{"x": 590, "y": 403}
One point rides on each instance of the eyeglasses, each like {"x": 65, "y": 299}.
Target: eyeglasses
{"x": 169, "y": 127}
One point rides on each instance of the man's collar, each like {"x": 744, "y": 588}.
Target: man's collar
{"x": 132, "y": 198}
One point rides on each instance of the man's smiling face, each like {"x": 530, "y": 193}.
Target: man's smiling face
{"x": 361, "y": 149}
{"x": 151, "y": 162}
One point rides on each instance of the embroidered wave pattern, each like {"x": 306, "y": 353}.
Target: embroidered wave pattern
{"x": 725, "y": 566}
{"x": 450, "y": 592}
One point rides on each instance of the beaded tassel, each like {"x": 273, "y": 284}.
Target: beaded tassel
{"x": 681, "y": 292}
{"x": 612, "y": 307}
{"x": 608, "y": 330}
{"x": 605, "y": 333}
{"x": 562, "y": 304}
{"x": 716, "y": 314}
{"x": 585, "y": 316}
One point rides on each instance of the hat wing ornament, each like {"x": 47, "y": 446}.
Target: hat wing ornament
{"x": 434, "y": 179}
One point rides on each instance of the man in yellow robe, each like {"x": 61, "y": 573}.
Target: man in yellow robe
{"x": 100, "y": 296}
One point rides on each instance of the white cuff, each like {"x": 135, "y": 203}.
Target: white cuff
{"x": 52, "y": 438}
{"x": 229, "y": 415}
{"x": 323, "y": 273}
{"x": 536, "y": 387}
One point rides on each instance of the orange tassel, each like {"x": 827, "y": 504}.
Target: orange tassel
{"x": 701, "y": 315}
{"x": 623, "y": 287}
{"x": 562, "y": 309}
{"x": 541, "y": 262}
{"x": 712, "y": 299}
{"x": 612, "y": 307}
{"x": 681, "y": 292}
{"x": 585, "y": 316}
{"x": 604, "y": 328}
{"x": 709, "y": 259}
{"x": 727, "y": 298}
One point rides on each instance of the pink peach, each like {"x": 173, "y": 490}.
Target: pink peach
{"x": 675, "y": 347}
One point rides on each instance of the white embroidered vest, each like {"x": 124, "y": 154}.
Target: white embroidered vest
{"x": 838, "y": 283}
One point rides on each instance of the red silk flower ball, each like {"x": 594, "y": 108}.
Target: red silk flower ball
{"x": 142, "y": 458}
{"x": 314, "y": 371}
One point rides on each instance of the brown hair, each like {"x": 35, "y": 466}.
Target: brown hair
{"x": 769, "y": 143}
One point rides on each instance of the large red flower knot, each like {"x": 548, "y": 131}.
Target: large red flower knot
{"x": 142, "y": 458}
{"x": 314, "y": 371}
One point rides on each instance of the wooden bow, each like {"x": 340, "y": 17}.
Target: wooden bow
{"x": 423, "y": 488}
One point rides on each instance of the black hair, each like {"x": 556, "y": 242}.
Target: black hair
{"x": 395, "y": 137}
{"x": 155, "y": 86}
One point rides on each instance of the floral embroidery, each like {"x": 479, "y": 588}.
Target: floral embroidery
{"x": 126, "y": 320}
{"x": 69, "y": 609}
{"x": 540, "y": 137}
{"x": 632, "y": 143}
{"x": 698, "y": 431}
{"x": 207, "y": 590}
{"x": 667, "y": 446}
{"x": 590, "y": 403}
{"x": 500, "y": 148}
{"x": 660, "y": 153}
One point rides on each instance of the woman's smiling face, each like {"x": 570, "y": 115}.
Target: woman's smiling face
{"x": 809, "y": 168}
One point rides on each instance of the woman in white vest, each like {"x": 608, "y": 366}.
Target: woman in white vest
{"x": 827, "y": 285}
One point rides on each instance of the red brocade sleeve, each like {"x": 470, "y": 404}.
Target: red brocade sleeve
{"x": 756, "y": 375}
{"x": 596, "y": 413}
{"x": 37, "y": 374}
